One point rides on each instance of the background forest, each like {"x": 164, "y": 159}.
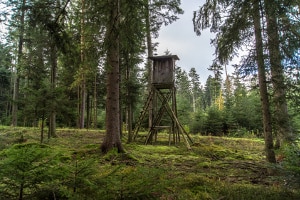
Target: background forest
{"x": 53, "y": 65}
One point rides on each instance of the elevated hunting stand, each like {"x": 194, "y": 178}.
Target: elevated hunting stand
{"x": 162, "y": 100}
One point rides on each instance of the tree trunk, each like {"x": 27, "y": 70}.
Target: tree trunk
{"x": 129, "y": 122}
{"x": 14, "y": 121}
{"x": 82, "y": 103}
{"x": 21, "y": 191}
{"x": 193, "y": 101}
{"x": 112, "y": 138}
{"x": 52, "y": 118}
{"x": 82, "y": 61}
{"x": 281, "y": 117}
{"x": 88, "y": 111}
{"x": 120, "y": 103}
{"x": 267, "y": 122}
{"x": 16, "y": 86}
{"x": 149, "y": 62}
{"x": 129, "y": 115}
{"x": 42, "y": 127}
{"x": 95, "y": 103}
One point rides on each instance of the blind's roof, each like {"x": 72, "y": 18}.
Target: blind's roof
{"x": 166, "y": 57}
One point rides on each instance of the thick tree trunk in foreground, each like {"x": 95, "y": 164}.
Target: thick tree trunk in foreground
{"x": 281, "y": 112}
{"x": 267, "y": 122}
{"x": 112, "y": 138}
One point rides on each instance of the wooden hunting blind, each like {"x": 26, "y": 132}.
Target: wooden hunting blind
{"x": 163, "y": 73}
{"x": 161, "y": 101}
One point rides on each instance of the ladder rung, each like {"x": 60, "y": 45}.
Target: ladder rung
{"x": 161, "y": 127}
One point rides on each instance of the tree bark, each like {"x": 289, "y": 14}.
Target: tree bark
{"x": 21, "y": 189}
{"x": 149, "y": 62}
{"x": 14, "y": 121}
{"x": 95, "y": 103}
{"x": 52, "y": 118}
{"x": 112, "y": 138}
{"x": 129, "y": 114}
{"x": 129, "y": 122}
{"x": 42, "y": 127}
{"x": 82, "y": 61}
{"x": 281, "y": 116}
{"x": 267, "y": 122}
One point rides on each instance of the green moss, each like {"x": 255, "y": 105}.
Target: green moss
{"x": 215, "y": 168}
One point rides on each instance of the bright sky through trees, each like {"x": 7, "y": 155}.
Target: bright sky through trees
{"x": 180, "y": 39}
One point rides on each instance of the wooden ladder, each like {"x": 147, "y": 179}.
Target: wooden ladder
{"x": 142, "y": 114}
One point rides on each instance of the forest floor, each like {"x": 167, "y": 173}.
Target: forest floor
{"x": 217, "y": 168}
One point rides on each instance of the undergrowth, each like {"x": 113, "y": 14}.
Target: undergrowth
{"x": 215, "y": 168}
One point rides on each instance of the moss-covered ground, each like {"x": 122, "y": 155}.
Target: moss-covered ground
{"x": 218, "y": 168}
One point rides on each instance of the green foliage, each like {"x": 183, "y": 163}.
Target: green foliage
{"x": 5, "y": 77}
{"x": 163, "y": 13}
{"x": 214, "y": 122}
{"x": 243, "y": 132}
{"x": 72, "y": 168}
{"x": 183, "y": 109}
{"x": 81, "y": 180}
{"x": 247, "y": 112}
{"x": 57, "y": 27}
{"x": 37, "y": 171}
{"x": 244, "y": 115}
{"x": 26, "y": 169}
{"x": 291, "y": 160}
{"x": 229, "y": 122}
{"x": 197, "y": 124}
{"x": 124, "y": 184}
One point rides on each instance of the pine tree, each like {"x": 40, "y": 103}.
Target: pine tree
{"x": 195, "y": 86}
{"x": 131, "y": 49}
{"x": 232, "y": 32}
{"x": 5, "y": 77}
{"x": 262, "y": 84}
{"x": 21, "y": 30}
{"x": 112, "y": 138}
{"x": 281, "y": 116}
